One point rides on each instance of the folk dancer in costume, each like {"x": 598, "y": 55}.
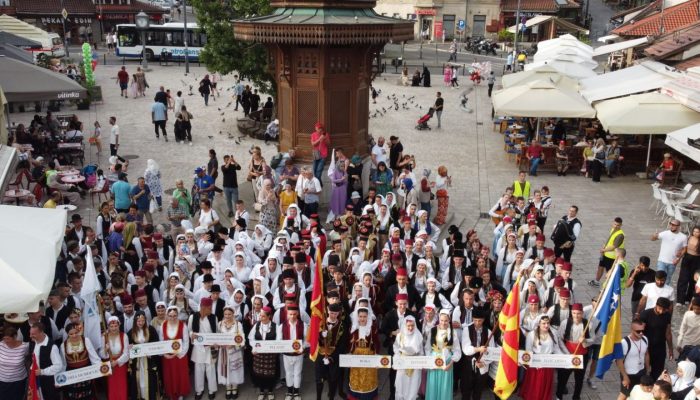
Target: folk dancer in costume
{"x": 408, "y": 343}
{"x": 176, "y": 369}
{"x": 364, "y": 340}
{"x": 430, "y": 320}
{"x": 444, "y": 342}
{"x": 78, "y": 352}
{"x": 48, "y": 361}
{"x": 539, "y": 381}
{"x": 391, "y": 327}
{"x": 116, "y": 352}
{"x": 144, "y": 372}
{"x": 293, "y": 329}
{"x": 530, "y": 317}
{"x": 331, "y": 344}
{"x": 230, "y": 362}
{"x": 575, "y": 339}
{"x": 265, "y": 366}
{"x": 476, "y": 338}
{"x": 203, "y": 357}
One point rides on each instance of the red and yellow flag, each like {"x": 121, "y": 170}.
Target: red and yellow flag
{"x": 318, "y": 308}
{"x": 509, "y": 323}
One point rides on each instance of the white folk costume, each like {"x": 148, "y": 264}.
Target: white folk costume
{"x": 406, "y": 345}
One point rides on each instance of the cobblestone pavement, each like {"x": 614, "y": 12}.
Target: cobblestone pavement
{"x": 466, "y": 145}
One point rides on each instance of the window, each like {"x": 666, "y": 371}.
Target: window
{"x": 448, "y": 26}
{"x": 128, "y": 37}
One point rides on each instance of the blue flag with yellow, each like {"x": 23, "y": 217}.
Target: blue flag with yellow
{"x": 608, "y": 313}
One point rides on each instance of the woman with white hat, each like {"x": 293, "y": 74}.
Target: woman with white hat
{"x": 176, "y": 369}
{"x": 409, "y": 343}
{"x": 230, "y": 361}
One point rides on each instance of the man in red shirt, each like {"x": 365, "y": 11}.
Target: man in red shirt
{"x": 123, "y": 78}
{"x": 535, "y": 155}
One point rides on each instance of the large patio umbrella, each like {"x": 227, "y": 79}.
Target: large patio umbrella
{"x": 540, "y": 73}
{"x": 580, "y": 60}
{"x": 645, "y": 114}
{"x": 541, "y": 98}
{"x": 683, "y": 141}
{"x": 567, "y": 68}
{"x": 26, "y": 82}
{"x": 564, "y": 41}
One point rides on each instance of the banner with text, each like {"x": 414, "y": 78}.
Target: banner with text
{"x": 155, "y": 348}
{"x": 83, "y": 374}
{"x": 493, "y": 354}
{"x": 277, "y": 346}
{"x": 362, "y": 361}
{"x": 417, "y": 362}
{"x": 218, "y": 339}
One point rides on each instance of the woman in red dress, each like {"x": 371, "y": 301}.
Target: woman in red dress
{"x": 116, "y": 350}
{"x": 539, "y": 381}
{"x": 78, "y": 352}
{"x": 176, "y": 371}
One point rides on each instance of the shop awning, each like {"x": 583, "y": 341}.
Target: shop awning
{"x": 608, "y": 38}
{"x": 532, "y": 22}
{"x": 627, "y": 44}
{"x": 649, "y": 75}
{"x": 678, "y": 140}
{"x": 25, "y": 82}
{"x": 685, "y": 89}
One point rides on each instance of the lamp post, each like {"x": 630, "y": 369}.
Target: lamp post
{"x": 142, "y": 24}
{"x": 184, "y": 35}
{"x": 63, "y": 21}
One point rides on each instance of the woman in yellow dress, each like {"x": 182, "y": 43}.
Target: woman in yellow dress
{"x": 364, "y": 340}
{"x": 287, "y": 197}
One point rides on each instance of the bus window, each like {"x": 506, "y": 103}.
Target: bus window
{"x": 128, "y": 39}
{"x": 176, "y": 38}
{"x": 202, "y": 39}
{"x": 155, "y": 38}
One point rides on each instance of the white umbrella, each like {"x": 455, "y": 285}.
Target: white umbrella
{"x": 541, "y": 98}
{"x": 568, "y": 68}
{"x": 678, "y": 140}
{"x": 645, "y": 114}
{"x": 574, "y": 58}
{"x": 544, "y": 72}
{"x": 567, "y": 40}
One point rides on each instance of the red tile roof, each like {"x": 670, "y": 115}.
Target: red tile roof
{"x": 529, "y": 5}
{"x": 674, "y": 42}
{"x": 53, "y": 7}
{"x": 674, "y": 18}
{"x": 689, "y": 63}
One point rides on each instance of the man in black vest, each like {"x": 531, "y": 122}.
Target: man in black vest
{"x": 476, "y": 338}
{"x": 204, "y": 364}
{"x": 48, "y": 361}
{"x": 565, "y": 233}
{"x": 331, "y": 344}
{"x": 402, "y": 286}
{"x": 574, "y": 339}
{"x": 57, "y": 311}
{"x": 293, "y": 329}
{"x": 218, "y": 303}
{"x": 562, "y": 310}
{"x": 391, "y": 326}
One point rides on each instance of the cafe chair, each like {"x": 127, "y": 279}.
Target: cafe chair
{"x": 656, "y": 193}
{"x": 685, "y": 221}
{"x": 670, "y": 214}
{"x": 690, "y": 199}
{"x": 664, "y": 203}
{"x": 686, "y": 189}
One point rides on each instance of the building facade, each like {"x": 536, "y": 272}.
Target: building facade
{"x": 439, "y": 20}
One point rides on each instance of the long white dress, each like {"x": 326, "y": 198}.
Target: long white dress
{"x": 229, "y": 368}
{"x": 408, "y": 380}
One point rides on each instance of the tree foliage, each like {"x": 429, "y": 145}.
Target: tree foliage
{"x": 223, "y": 53}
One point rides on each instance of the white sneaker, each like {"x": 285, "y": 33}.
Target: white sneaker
{"x": 190, "y": 143}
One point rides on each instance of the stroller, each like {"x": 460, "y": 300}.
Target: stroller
{"x": 423, "y": 121}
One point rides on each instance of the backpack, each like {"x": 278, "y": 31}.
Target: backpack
{"x": 276, "y": 160}
{"x": 629, "y": 346}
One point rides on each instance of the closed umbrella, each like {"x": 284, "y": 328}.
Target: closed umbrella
{"x": 645, "y": 114}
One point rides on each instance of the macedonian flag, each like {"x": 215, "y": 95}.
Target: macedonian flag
{"x": 318, "y": 308}
{"x": 509, "y": 323}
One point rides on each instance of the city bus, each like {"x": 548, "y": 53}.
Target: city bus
{"x": 159, "y": 38}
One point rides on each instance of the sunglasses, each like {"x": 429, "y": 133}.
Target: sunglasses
{"x": 639, "y": 332}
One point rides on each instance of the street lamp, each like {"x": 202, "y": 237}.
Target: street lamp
{"x": 142, "y": 24}
{"x": 185, "y": 34}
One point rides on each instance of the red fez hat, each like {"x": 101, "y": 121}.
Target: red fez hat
{"x": 140, "y": 293}
{"x": 401, "y": 272}
{"x": 507, "y": 219}
{"x": 267, "y": 310}
{"x": 564, "y": 293}
{"x": 395, "y": 240}
{"x": 406, "y": 219}
{"x": 206, "y": 302}
{"x": 408, "y": 242}
{"x": 127, "y": 300}
{"x": 158, "y": 236}
{"x": 566, "y": 266}
{"x": 577, "y": 307}
{"x": 540, "y": 238}
{"x": 293, "y": 307}
{"x": 531, "y": 223}
{"x": 559, "y": 261}
{"x": 149, "y": 267}
{"x": 559, "y": 281}
{"x": 401, "y": 296}
{"x": 396, "y": 257}
{"x": 290, "y": 296}
{"x": 548, "y": 252}
{"x": 140, "y": 273}
{"x": 533, "y": 299}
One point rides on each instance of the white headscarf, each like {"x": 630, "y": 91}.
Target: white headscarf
{"x": 152, "y": 166}
{"x": 362, "y": 331}
{"x": 688, "y": 377}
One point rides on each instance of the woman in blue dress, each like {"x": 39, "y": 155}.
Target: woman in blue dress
{"x": 442, "y": 341}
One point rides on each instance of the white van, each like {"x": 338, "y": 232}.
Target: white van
{"x": 51, "y": 43}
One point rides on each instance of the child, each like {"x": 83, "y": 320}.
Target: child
{"x": 643, "y": 390}
{"x": 95, "y": 139}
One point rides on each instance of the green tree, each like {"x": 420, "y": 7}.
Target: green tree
{"x": 223, "y": 53}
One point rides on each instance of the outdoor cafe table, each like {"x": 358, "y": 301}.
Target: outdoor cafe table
{"x": 73, "y": 179}
{"x": 69, "y": 172}
{"x": 672, "y": 192}
{"x": 17, "y": 194}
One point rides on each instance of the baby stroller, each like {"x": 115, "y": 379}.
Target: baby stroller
{"x": 423, "y": 121}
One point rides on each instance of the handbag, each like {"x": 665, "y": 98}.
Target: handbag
{"x": 92, "y": 140}
{"x": 257, "y": 206}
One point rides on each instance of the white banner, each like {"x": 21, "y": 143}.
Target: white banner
{"x": 417, "y": 362}
{"x": 83, "y": 374}
{"x": 218, "y": 339}
{"x": 277, "y": 346}
{"x": 155, "y": 348}
{"x": 569, "y": 361}
{"x": 368, "y": 361}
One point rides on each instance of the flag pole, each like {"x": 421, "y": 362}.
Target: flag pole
{"x": 597, "y": 301}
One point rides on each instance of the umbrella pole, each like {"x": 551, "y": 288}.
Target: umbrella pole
{"x": 649, "y": 151}
{"x": 537, "y": 132}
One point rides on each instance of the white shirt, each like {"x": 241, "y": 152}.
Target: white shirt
{"x": 179, "y": 102}
{"x": 56, "y": 359}
{"x": 671, "y": 243}
{"x": 653, "y": 292}
{"x": 380, "y": 154}
{"x": 206, "y": 218}
{"x": 635, "y": 354}
{"x": 114, "y": 134}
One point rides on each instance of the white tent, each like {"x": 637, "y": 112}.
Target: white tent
{"x": 648, "y": 75}
{"x": 678, "y": 140}
{"x": 627, "y": 44}
{"x": 544, "y": 72}
{"x": 568, "y": 68}
{"x": 30, "y": 242}
{"x": 685, "y": 89}
{"x": 564, "y": 41}
{"x": 542, "y": 98}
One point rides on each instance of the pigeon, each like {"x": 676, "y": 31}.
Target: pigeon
{"x": 237, "y": 141}
{"x": 229, "y": 103}
{"x": 388, "y": 98}
{"x": 223, "y": 119}
{"x": 223, "y": 113}
{"x": 383, "y": 109}
{"x": 218, "y": 108}
{"x": 210, "y": 137}
{"x": 220, "y": 133}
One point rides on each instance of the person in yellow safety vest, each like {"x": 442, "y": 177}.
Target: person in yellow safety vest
{"x": 615, "y": 241}
{"x": 521, "y": 187}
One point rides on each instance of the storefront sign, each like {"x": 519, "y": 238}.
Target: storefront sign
{"x": 360, "y": 361}
{"x": 438, "y": 30}
{"x": 155, "y": 348}
{"x": 58, "y": 20}
{"x": 277, "y": 346}
{"x": 429, "y": 11}
{"x": 417, "y": 362}
{"x": 83, "y": 374}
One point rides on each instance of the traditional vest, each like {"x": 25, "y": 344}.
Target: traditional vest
{"x": 196, "y": 318}
{"x": 574, "y": 347}
{"x": 299, "y": 333}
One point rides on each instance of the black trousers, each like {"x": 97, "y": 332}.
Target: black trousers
{"x": 685, "y": 288}
{"x": 657, "y": 356}
{"x": 563, "y": 376}
{"x": 597, "y": 170}
{"x": 327, "y": 373}
{"x": 161, "y": 124}
{"x": 565, "y": 253}
{"x": 13, "y": 390}
{"x": 490, "y": 89}
{"x": 472, "y": 383}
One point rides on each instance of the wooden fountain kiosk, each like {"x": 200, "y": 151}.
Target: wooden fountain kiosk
{"x": 323, "y": 55}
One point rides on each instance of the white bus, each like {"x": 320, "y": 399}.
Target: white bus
{"x": 159, "y": 38}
